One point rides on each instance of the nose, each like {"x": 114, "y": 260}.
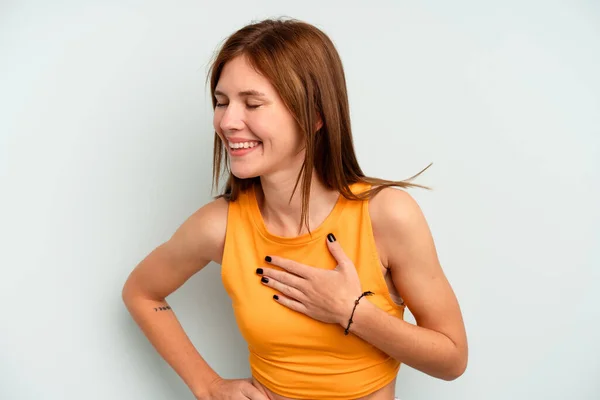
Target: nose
{"x": 232, "y": 118}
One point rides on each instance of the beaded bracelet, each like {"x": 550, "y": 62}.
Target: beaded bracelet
{"x": 368, "y": 293}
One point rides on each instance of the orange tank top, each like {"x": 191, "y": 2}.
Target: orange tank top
{"x": 290, "y": 353}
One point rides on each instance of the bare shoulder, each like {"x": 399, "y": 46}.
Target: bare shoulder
{"x": 196, "y": 242}
{"x": 204, "y": 231}
{"x": 395, "y": 215}
{"x": 404, "y": 236}
{"x": 394, "y": 203}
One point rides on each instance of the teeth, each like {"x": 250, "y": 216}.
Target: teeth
{"x": 243, "y": 145}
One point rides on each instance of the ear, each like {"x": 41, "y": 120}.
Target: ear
{"x": 319, "y": 124}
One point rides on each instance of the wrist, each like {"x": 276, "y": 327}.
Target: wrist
{"x": 344, "y": 309}
{"x": 351, "y": 307}
{"x": 363, "y": 317}
{"x": 206, "y": 391}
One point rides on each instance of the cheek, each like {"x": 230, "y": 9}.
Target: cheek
{"x": 281, "y": 133}
{"x": 217, "y": 122}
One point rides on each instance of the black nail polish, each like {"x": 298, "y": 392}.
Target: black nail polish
{"x": 276, "y": 297}
{"x": 330, "y": 237}
{"x": 259, "y": 271}
{"x": 264, "y": 279}
{"x": 268, "y": 258}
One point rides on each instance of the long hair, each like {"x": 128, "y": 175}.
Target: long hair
{"x": 302, "y": 64}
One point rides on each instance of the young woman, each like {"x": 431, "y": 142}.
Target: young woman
{"x": 319, "y": 260}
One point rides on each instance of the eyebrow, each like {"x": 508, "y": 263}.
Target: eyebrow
{"x": 243, "y": 93}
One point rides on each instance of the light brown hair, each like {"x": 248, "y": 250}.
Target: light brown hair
{"x": 302, "y": 64}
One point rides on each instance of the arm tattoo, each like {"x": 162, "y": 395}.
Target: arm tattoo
{"x": 162, "y": 308}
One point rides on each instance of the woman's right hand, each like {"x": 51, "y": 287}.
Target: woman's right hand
{"x": 234, "y": 389}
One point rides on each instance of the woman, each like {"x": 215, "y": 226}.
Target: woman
{"x": 319, "y": 260}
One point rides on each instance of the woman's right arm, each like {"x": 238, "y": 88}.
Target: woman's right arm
{"x": 199, "y": 240}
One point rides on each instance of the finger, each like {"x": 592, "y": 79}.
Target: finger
{"x": 251, "y": 392}
{"x": 337, "y": 252}
{"x": 283, "y": 288}
{"x": 290, "y": 303}
{"x": 286, "y": 278}
{"x": 290, "y": 265}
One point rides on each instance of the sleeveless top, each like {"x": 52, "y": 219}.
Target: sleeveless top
{"x": 290, "y": 353}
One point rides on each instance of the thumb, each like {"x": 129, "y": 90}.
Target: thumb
{"x": 337, "y": 252}
{"x": 251, "y": 392}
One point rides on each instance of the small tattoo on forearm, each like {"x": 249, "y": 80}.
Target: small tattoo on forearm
{"x": 162, "y": 308}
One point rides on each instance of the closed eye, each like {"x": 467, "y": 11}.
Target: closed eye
{"x": 250, "y": 106}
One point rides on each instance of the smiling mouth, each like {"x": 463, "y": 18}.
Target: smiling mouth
{"x": 242, "y": 148}
{"x": 243, "y": 145}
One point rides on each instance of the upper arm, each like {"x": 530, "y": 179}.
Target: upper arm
{"x": 409, "y": 250}
{"x": 199, "y": 240}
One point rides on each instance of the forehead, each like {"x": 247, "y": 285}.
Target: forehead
{"x": 238, "y": 75}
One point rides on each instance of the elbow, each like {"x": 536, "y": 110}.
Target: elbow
{"x": 125, "y": 295}
{"x": 126, "y": 291}
{"x": 126, "y": 298}
{"x": 130, "y": 292}
{"x": 454, "y": 374}
{"x": 456, "y": 369}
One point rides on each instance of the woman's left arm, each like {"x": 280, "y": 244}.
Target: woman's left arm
{"x": 437, "y": 345}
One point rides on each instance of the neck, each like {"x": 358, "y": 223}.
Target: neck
{"x": 282, "y": 216}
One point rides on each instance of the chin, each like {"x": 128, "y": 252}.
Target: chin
{"x": 244, "y": 173}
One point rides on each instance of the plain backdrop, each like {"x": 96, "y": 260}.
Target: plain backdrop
{"x": 106, "y": 145}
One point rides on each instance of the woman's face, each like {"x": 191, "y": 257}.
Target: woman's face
{"x": 257, "y": 129}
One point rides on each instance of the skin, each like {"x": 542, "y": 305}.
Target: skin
{"x": 437, "y": 345}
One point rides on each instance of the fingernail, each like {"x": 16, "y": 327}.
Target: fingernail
{"x": 268, "y": 258}
{"x": 276, "y": 297}
{"x": 330, "y": 237}
{"x": 259, "y": 271}
{"x": 264, "y": 279}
